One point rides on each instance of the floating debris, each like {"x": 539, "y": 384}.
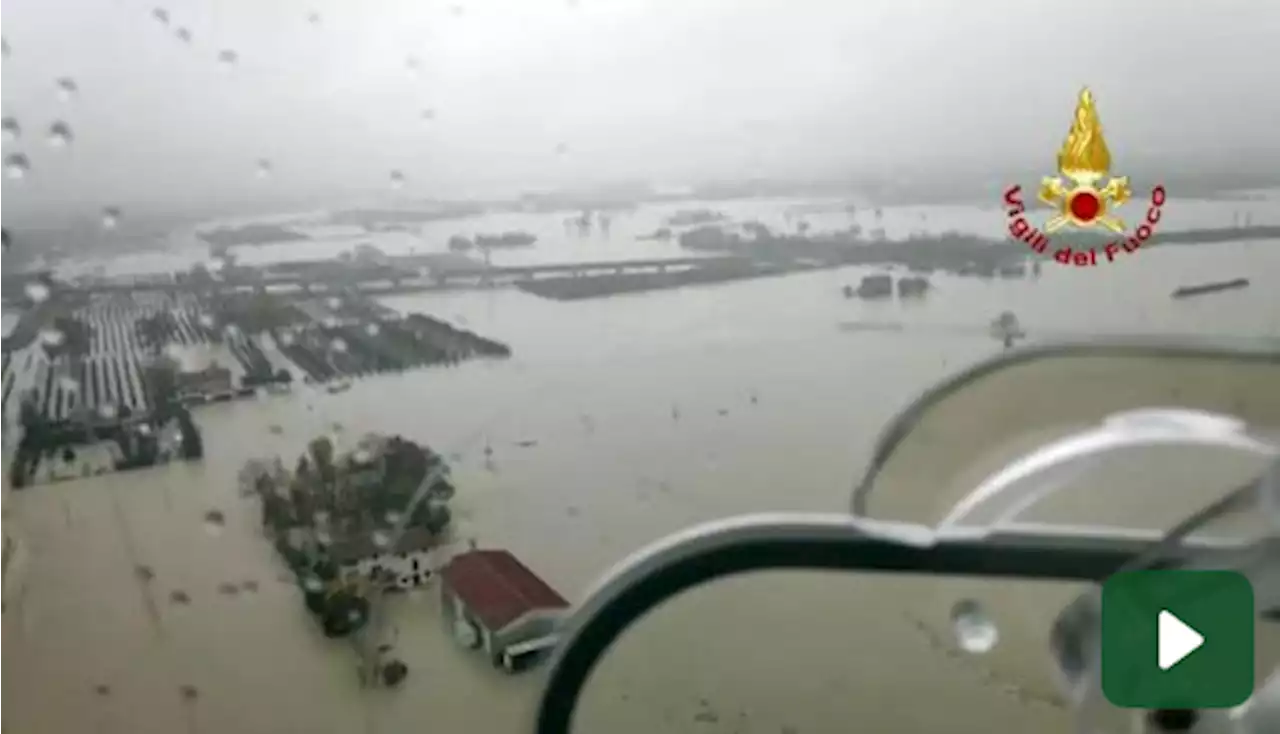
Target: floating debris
{"x": 183, "y": 34}
{"x": 227, "y": 588}
{"x": 38, "y": 293}
{"x": 189, "y": 692}
{"x": 102, "y": 689}
{"x": 144, "y": 572}
{"x": 527, "y": 443}
{"x": 67, "y": 88}
{"x": 214, "y": 522}
{"x": 179, "y": 597}
{"x": 250, "y": 586}
{"x": 111, "y": 217}
{"x": 16, "y": 166}
{"x": 227, "y": 57}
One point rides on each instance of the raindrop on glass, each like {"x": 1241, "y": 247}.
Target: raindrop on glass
{"x": 161, "y": 15}
{"x": 52, "y": 337}
{"x": 287, "y": 339}
{"x": 263, "y": 169}
{"x": 60, "y": 135}
{"x": 397, "y": 179}
{"x": 250, "y": 586}
{"x": 111, "y": 217}
{"x": 231, "y": 330}
{"x": 372, "y": 329}
{"x": 413, "y": 64}
{"x": 324, "y": 537}
{"x": 313, "y": 584}
{"x": 107, "y": 411}
{"x": 562, "y": 148}
{"x": 183, "y": 34}
{"x": 361, "y": 456}
{"x": 339, "y": 345}
{"x": 16, "y": 166}
{"x": 393, "y": 517}
{"x": 68, "y": 383}
{"x": 67, "y": 88}
{"x": 179, "y": 597}
{"x": 226, "y": 588}
{"x": 102, "y": 689}
{"x": 227, "y": 57}
{"x": 262, "y": 393}
{"x": 381, "y": 539}
{"x": 974, "y": 629}
{"x": 10, "y": 129}
{"x": 144, "y": 572}
{"x": 206, "y": 320}
{"x": 321, "y": 516}
{"x": 4, "y": 47}
{"x": 428, "y": 114}
{"x": 313, "y": 18}
{"x": 37, "y": 292}
{"x": 335, "y": 303}
{"x": 189, "y": 692}
{"x": 214, "y": 522}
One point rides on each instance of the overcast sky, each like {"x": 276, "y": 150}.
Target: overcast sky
{"x": 667, "y": 90}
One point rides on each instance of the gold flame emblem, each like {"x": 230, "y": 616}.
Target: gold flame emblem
{"x": 1084, "y": 161}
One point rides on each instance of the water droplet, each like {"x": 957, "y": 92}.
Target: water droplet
{"x": 381, "y": 539}
{"x": 262, "y": 393}
{"x": 339, "y": 345}
{"x": 313, "y": 584}
{"x": 60, "y": 135}
{"x": 107, "y": 411}
{"x": 355, "y": 615}
{"x": 183, "y": 34}
{"x": 397, "y": 179}
{"x": 413, "y": 64}
{"x": 52, "y": 337}
{"x": 111, "y": 217}
{"x": 37, "y": 292}
{"x": 231, "y": 330}
{"x": 226, "y": 588}
{"x": 320, "y": 516}
{"x": 161, "y": 15}
{"x": 324, "y": 537}
{"x": 331, "y": 322}
{"x": 313, "y": 18}
{"x": 393, "y": 517}
{"x": 974, "y": 629}
{"x": 179, "y": 597}
{"x": 214, "y": 522}
{"x": 10, "y": 129}
{"x": 361, "y": 456}
{"x": 5, "y": 50}
{"x": 428, "y": 114}
{"x": 189, "y": 692}
{"x": 335, "y": 303}
{"x": 16, "y": 166}
{"x": 372, "y": 329}
{"x": 263, "y": 169}
{"x": 562, "y": 148}
{"x": 227, "y": 57}
{"x": 67, "y": 88}
{"x": 206, "y": 320}
{"x": 68, "y": 383}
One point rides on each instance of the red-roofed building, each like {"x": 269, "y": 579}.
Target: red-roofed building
{"x": 493, "y": 602}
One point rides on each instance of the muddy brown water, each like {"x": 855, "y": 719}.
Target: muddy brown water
{"x": 92, "y": 645}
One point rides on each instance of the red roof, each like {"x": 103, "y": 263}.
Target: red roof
{"x": 497, "y": 588}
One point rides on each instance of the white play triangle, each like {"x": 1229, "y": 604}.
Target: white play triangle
{"x": 1175, "y": 640}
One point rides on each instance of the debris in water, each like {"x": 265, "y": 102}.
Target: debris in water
{"x": 214, "y": 522}
{"x": 722, "y": 411}
{"x": 527, "y": 443}
{"x": 144, "y": 572}
{"x": 754, "y": 398}
{"x": 275, "y": 429}
{"x": 394, "y": 672}
{"x": 226, "y": 588}
{"x": 189, "y": 692}
{"x": 250, "y": 586}
{"x": 675, "y": 412}
{"x": 180, "y": 597}
{"x": 102, "y": 689}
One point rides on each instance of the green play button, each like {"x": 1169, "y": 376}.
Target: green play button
{"x": 1177, "y": 639}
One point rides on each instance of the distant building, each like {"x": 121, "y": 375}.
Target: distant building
{"x": 493, "y": 602}
{"x": 212, "y": 381}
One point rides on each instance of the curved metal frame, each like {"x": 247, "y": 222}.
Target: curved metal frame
{"x": 816, "y": 542}
{"x": 1265, "y": 351}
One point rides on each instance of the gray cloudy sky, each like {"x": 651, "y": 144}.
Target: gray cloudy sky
{"x": 672, "y": 90}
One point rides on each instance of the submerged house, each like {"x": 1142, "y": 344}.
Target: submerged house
{"x": 493, "y": 602}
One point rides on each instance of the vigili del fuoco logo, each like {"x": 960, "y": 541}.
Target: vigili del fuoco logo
{"x": 1085, "y": 196}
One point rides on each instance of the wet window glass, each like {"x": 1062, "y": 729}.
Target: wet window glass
{"x": 347, "y": 346}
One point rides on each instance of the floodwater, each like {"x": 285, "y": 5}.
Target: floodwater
{"x": 651, "y": 413}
